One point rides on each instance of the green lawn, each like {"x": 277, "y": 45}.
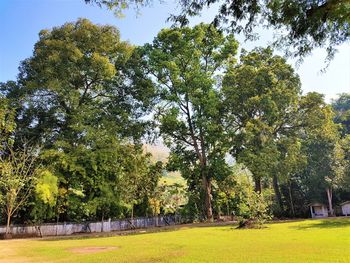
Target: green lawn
{"x": 303, "y": 241}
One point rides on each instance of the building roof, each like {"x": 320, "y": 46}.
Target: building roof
{"x": 316, "y": 204}
{"x": 345, "y": 203}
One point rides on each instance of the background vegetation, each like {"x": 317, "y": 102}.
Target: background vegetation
{"x": 242, "y": 139}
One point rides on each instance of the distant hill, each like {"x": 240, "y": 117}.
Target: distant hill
{"x": 161, "y": 153}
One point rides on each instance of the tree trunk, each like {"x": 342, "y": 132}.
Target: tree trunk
{"x": 329, "y": 196}
{"x": 8, "y": 230}
{"x": 207, "y": 196}
{"x": 291, "y": 198}
{"x": 277, "y": 192}
{"x": 257, "y": 181}
{"x": 57, "y": 219}
{"x": 132, "y": 211}
{"x": 102, "y": 222}
{"x": 227, "y": 207}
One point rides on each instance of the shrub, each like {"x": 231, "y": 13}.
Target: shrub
{"x": 254, "y": 211}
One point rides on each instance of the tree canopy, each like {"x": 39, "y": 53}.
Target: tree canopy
{"x": 302, "y": 25}
{"x": 240, "y": 131}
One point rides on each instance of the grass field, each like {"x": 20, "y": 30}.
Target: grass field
{"x": 302, "y": 241}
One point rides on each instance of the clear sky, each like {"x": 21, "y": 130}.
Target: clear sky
{"x": 21, "y": 21}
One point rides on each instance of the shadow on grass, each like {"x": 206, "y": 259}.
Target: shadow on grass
{"x": 139, "y": 231}
{"x": 325, "y": 223}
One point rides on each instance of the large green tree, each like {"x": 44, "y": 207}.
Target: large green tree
{"x": 81, "y": 77}
{"x": 341, "y": 107}
{"x": 82, "y": 97}
{"x": 262, "y": 96}
{"x": 323, "y": 170}
{"x": 186, "y": 64}
{"x": 270, "y": 121}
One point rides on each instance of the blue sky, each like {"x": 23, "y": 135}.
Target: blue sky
{"x": 21, "y": 20}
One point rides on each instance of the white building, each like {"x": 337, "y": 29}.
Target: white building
{"x": 345, "y": 208}
{"x": 318, "y": 210}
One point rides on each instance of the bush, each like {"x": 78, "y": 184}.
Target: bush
{"x": 254, "y": 211}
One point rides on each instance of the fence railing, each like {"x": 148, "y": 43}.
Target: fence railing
{"x": 63, "y": 229}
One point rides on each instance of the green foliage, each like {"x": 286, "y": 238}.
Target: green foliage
{"x": 85, "y": 96}
{"x": 172, "y": 197}
{"x": 43, "y": 203}
{"x": 232, "y": 192}
{"x": 101, "y": 179}
{"x": 187, "y": 64}
{"x": 81, "y": 78}
{"x": 345, "y": 144}
{"x": 140, "y": 180}
{"x": 236, "y": 196}
{"x": 18, "y": 172}
{"x": 262, "y": 101}
{"x": 7, "y": 123}
{"x": 119, "y": 6}
{"x": 82, "y": 96}
{"x": 272, "y": 124}
{"x": 255, "y": 210}
{"x": 341, "y": 107}
{"x": 302, "y": 25}
{"x": 47, "y": 187}
{"x": 324, "y": 168}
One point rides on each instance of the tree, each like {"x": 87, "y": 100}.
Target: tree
{"x": 302, "y": 25}
{"x": 234, "y": 190}
{"x": 270, "y": 122}
{"x": 325, "y": 164}
{"x": 324, "y": 167}
{"x": 46, "y": 187}
{"x": 341, "y": 107}
{"x": 324, "y": 170}
{"x": 186, "y": 64}
{"x": 83, "y": 96}
{"x": 7, "y": 123}
{"x": 345, "y": 144}
{"x": 254, "y": 211}
{"x": 18, "y": 171}
{"x": 118, "y": 6}
{"x": 139, "y": 180}
{"x": 81, "y": 77}
{"x": 173, "y": 196}
{"x": 262, "y": 96}
{"x": 44, "y": 200}
{"x": 314, "y": 124}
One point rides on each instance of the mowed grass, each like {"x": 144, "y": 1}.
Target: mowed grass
{"x": 302, "y": 241}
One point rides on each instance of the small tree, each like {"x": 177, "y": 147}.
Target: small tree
{"x": 46, "y": 196}
{"x": 254, "y": 210}
{"x": 18, "y": 169}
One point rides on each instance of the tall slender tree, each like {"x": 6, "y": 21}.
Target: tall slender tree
{"x": 186, "y": 64}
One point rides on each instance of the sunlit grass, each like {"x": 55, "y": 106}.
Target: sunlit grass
{"x": 172, "y": 178}
{"x": 303, "y": 241}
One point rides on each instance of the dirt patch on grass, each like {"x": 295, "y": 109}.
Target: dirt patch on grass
{"x": 89, "y": 250}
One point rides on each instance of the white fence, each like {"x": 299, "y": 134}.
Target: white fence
{"x": 63, "y": 229}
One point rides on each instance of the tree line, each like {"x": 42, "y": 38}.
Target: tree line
{"x": 239, "y": 129}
